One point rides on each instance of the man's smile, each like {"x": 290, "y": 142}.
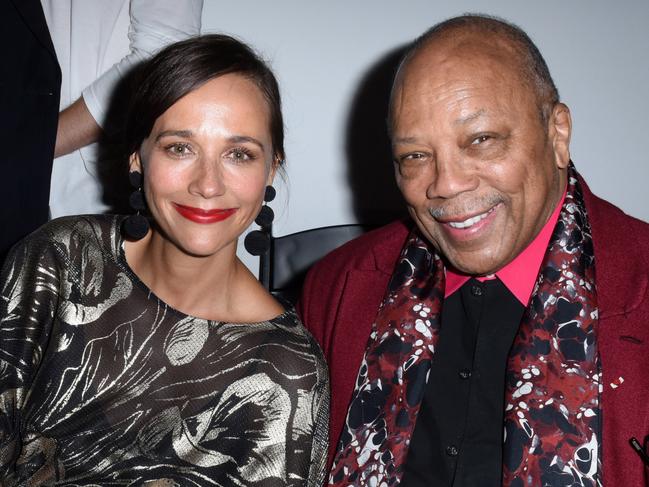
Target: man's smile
{"x": 466, "y": 227}
{"x": 469, "y": 222}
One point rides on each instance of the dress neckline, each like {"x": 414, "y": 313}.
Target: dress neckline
{"x": 120, "y": 260}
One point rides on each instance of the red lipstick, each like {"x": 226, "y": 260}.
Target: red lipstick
{"x": 198, "y": 215}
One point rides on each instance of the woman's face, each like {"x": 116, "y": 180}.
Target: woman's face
{"x": 206, "y": 163}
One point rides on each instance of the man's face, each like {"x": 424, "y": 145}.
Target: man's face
{"x": 479, "y": 171}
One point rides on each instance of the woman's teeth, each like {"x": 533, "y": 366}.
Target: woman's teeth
{"x": 470, "y": 221}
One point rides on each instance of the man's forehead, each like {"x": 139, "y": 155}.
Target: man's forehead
{"x": 465, "y": 49}
{"x": 454, "y": 63}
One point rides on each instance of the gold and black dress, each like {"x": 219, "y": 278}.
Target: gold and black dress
{"x": 103, "y": 384}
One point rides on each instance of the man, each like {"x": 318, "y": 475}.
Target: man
{"x": 516, "y": 302}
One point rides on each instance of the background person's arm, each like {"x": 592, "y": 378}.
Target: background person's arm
{"x": 77, "y": 128}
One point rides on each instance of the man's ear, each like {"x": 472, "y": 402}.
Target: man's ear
{"x": 134, "y": 163}
{"x": 560, "y": 130}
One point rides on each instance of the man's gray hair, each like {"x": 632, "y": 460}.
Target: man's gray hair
{"x": 533, "y": 67}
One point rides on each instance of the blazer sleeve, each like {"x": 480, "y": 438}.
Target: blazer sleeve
{"x": 320, "y": 294}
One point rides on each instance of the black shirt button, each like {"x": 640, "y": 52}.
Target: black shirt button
{"x": 452, "y": 451}
{"x": 476, "y": 290}
{"x": 465, "y": 374}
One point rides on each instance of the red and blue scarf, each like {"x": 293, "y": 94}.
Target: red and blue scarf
{"x": 552, "y": 418}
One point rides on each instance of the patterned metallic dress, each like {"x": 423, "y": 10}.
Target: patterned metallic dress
{"x": 103, "y": 384}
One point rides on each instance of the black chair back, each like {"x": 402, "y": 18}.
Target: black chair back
{"x": 291, "y": 256}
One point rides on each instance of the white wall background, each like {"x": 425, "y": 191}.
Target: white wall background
{"x": 327, "y": 56}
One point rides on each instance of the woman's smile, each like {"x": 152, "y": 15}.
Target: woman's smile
{"x": 199, "y": 215}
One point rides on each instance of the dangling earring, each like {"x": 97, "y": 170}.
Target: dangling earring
{"x": 257, "y": 242}
{"x": 136, "y": 226}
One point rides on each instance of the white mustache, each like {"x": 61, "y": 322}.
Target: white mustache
{"x": 472, "y": 207}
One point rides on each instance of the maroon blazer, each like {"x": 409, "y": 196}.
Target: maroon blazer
{"x": 343, "y": 291}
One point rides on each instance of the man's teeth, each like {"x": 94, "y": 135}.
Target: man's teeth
{"x": 470, "y": 221}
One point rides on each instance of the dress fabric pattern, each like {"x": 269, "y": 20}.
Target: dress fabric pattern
{"x": 102, "y": 383}
{"x": 552, "y": 416}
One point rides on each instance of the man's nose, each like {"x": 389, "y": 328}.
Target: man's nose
{"x": 451, "y": 176}
{"x": 207, "y": 179}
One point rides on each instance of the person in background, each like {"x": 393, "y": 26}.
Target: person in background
{"x": 515, "y": 301}
{"x": 141, "y": 351}
{"x": 99, "y": 44}
{"x": 29, "y": 99}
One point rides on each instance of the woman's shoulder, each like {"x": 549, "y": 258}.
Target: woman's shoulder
{"x": 274, "y": 317}
{"x": 65, "y": 227}
{"x": 68, "y": 232}
{"x": 59, "y": 240}
{"x": 88, "y": 226}
{"x": 290, "y": 322}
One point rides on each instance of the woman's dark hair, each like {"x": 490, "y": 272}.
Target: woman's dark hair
{"x": 183, "y": 67}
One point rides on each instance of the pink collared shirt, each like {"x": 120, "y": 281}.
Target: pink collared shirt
{"x": 520, "y": 274}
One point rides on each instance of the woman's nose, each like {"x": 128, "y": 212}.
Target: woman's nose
{"x": 207, "y": 180}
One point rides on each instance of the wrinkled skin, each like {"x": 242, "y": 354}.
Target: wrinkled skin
{"x": 480, "y": 170}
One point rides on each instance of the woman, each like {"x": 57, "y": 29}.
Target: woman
{"x": 162, "y": 361}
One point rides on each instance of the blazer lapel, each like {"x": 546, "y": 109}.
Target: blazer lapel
{"x": 32, "y": 13}
{"x": 620, "y": 277}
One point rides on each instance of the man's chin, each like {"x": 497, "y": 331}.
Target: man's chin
{"x": 475, "y": 264}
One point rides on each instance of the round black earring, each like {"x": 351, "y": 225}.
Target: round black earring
{"x": 136, "y": 226}
{"x": 257, "y": 242}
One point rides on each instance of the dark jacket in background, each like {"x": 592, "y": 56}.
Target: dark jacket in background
{"x": 30, "y": 83}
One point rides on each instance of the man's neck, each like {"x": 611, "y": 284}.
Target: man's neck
{"x": 520, "y": 274}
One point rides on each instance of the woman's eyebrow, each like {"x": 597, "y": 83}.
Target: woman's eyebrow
{"x": 177, "y": 133}
{"x": 237, "y": 139}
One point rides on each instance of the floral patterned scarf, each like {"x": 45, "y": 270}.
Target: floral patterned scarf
{"x": 552, "y": 413}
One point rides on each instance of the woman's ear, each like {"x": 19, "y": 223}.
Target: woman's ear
{"x": 276, "y": 163}
{"x": 560, "y": 130}
{"x": 134, "y": 163}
